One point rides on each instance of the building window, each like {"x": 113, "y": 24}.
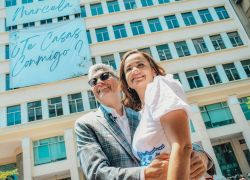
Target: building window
{"x": 164, "y": 52}
{"x": 122, "y": 54}
{"x": 93, "y": 61}
{"x": 63, "y": 18}
{"x": 154, "y": 25}
{"x": 13, "y": 115}
{"x": 96, "y": 9}
{"x": 27, "y": 1}
{"x": 78, "y": 15}
{"x": 176, "y": 76}
{"x": 75, "y": 103}
{"x": 182, "y": 49}
{"x": 200, "y": 45}
{"x": 109, "y": 59}
{"x": 137, "y": 28}
{"x": 146, "y": 3}
{"x": 83, "y": 11}
{"x": 9, "y": 28}
{"x": 217, "y": 42}
{"x": 222, "y": 13}
{"x": 120, "y": 31}
{"x": 192, "y": 126}
{"x": 49, "y": 150}
{"x": 113, "y": 6}
{"x": 212, "y": 75}
{"x": 46, "y": 21}
{"x": 35, "y": 111}
{"x": 231, "y": 72}
{"x": 235, "y": 39}
{"x": 246, "y": 66}
{"x": 10, "y": 3}
{"x": 188, "y": 19}
{"x": 247, "y": 155}
{"x": 92, "y": 101}
{"x": 8, "y": 83}
{"x": 7, "y": 51}
{"x": 215, "y": 115}
{"x": 129, "y": 4}
{"x": 205, "y": 16}
{"x": 102, "y": 34}
{"x": 31, "y": 24}
{"x": 244, "y": 107}
{"x": 227, "y": 160}
{"x": 172, "y": 22}
{"x": 89, "y": 37}
{"x": 163, "y": 1}
{"x": 194, "y": 79}
{"x": 55, "y": 107}
{"x": 146, "y": 50}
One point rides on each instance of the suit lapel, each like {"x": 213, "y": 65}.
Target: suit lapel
{"x": 114, "y": 129}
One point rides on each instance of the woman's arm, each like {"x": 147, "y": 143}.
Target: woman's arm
{"x": 176, "y": 127}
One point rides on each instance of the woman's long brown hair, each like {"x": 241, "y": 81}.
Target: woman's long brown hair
{"x": 131, "y": 98}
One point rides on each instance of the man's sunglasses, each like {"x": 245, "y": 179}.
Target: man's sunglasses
{"x": 104, "y": 76}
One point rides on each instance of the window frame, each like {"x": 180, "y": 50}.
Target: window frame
{"x": 231, "y": 73}
{"x": 150, "y": 22}
{"x": 102, "y": 32}
{"x": 171, "y": 21}
{"x": 119, "y": 30}
{"x": 222, "y": 106}
{"x": 187, "y": 16}
{"x": 137, "y": 28}
{"x": 14, "y": 115}
{"x": 182, "y": 49}
{"x": 55, "y": 106}
{"x": 205, "y": 15}
{"x": 34, "y": 111}
{"x": 247, "y": 66}
{"x": 212, "y": 75}
{"x": 220, "y": 11}
{"x": 237, "y": 43}
{"x": 200, "y": 45}
{"x": 95, "y": 7}
{"x": 48, "y": 144}
{"x": 130, "y": 5}
{"x": 217, "y": 42}
{"x": 75, "y": 103}
{"x": 11, "y": 2}
{"x": 193, "y": 78}
{"x": 91, "y": 97}
{"x": 112, "y": 4}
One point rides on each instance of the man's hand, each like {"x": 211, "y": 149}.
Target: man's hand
{"x": 158, "y": 168}
{"x": 199, "y": 162}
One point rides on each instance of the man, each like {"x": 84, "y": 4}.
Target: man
{"x": 104, "y": 137}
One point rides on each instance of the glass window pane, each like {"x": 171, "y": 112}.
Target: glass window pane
{"x": 11, "y": 119}
{"x": 31, "y": 115}
{"x": 72, "y": 107}
{"x": 52, "y": 111}
{"x": 59, "y": 109}
{"x": 39, "y": 113}
{"x": 191, "y": 83}
{"x": 79, "y": 105}
{"x": 198, "y": 81}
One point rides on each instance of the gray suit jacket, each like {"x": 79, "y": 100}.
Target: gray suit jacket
{"x": 103, "y": 151}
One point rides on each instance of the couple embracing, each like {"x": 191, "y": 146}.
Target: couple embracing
{"x": 145, "y": 134}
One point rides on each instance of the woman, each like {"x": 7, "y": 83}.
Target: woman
{"x": 164, "y": 125}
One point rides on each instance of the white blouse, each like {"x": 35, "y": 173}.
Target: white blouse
{"x": 163, "y": 95}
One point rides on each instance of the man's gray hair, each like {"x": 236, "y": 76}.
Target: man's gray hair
{"x": 93, "y": 69}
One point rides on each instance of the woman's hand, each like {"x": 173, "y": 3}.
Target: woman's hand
{"x": 158, "y": 168}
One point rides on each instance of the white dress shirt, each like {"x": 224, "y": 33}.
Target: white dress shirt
{"x": 123, "y": 123}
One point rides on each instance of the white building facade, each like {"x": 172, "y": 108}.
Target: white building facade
{"x": 201, "y": 42}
